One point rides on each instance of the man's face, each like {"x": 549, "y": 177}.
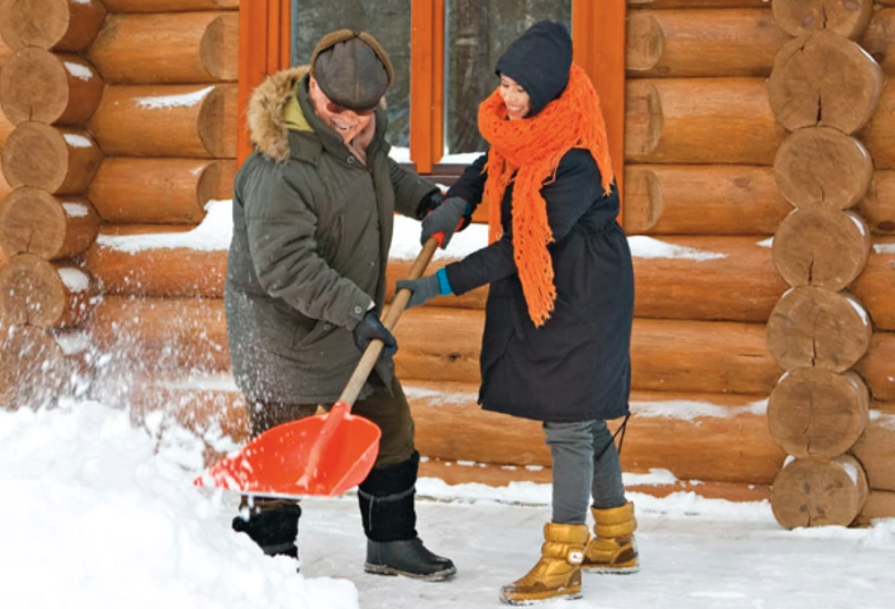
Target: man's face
{"x": 347, "y": 123}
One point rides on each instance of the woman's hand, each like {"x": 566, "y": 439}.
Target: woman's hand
{"x": 445, "y": 219}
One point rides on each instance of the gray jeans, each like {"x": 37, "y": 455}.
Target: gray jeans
{"x": 578, "y": 473}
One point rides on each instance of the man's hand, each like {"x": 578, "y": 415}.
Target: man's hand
{"x": 446, "y": 219}
{"x": 371, "y": 328}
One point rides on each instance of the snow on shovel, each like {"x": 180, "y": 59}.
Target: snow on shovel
{"x": 316, "y": 456}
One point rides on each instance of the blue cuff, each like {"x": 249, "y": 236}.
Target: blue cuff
{"x": 444, "y": 284}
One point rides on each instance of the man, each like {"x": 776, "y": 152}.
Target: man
{"x": 313, "y": 215}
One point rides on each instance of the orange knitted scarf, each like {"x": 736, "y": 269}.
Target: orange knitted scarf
{"x": 528, "y": 152}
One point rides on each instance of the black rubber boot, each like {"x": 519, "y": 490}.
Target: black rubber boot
{"x": 272, "y": 524}
{"x": 387, "y": 510}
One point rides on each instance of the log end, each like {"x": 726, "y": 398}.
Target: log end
{"x": 33, "y": 87}
{"x": 31, "y": 292}
{"x": 643, "y": 119}
{"x": 819, "y": 492}
{"x": 823, "y": 79}
{"x": 797, "y": 17}
{"x": 818, "y": 413}
{"x": 219, "y": 48}
{"x": 32, "y": 369}
{"x": 645, "y": 43}
{"x": 643, "y": 199}
{"x": 32, "y": 221}
{"x": 818, "y": 328}
{"x": 821, "y": 248}
{"x": 822, "y": 166}
{"x": 35, "y": 155}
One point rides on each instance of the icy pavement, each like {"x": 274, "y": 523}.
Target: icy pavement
{"x": 692, "y": 562}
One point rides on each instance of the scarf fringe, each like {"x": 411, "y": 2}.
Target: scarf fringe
{"x": 528, "y": 152}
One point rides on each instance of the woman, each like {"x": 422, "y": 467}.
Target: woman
{"x": 556, "y": 346}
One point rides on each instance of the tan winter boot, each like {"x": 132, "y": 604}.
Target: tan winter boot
{"x": 612, "y": 550}
{"x": 558, "y": 573}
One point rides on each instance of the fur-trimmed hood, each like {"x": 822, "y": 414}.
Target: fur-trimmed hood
{"x": 265, "y": 116}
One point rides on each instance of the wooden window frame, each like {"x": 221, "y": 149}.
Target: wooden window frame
{"x": 265, "y": 48}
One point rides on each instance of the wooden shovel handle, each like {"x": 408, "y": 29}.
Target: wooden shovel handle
{"x": 374, "y": 349}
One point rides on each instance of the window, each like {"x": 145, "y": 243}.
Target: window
{"x": 387, "y": 20}
{"x": 478, "y": 32}
{"x": 444, "y": 53}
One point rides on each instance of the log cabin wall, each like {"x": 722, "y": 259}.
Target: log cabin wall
{"x": 706, "y": 202}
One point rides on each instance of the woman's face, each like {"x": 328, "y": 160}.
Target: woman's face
{"x": 514, "y": 96}
{"x": 343, "y": 121}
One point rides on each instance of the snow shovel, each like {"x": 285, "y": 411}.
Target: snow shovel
{"x": 322, "y": 455}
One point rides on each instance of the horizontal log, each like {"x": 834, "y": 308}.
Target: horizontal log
{"x": 37, "y": 85}
{"x": 695, "y": 120}
{"x": 159, "y": 191}
{"x": 876, "y": 452}
{"x": 4, "y": 185}
{"x": 163, "y": 6}
{"x": 723, "y": 278}
{"x": 36, "y": 292}
{"x": 167, "y": 121}
{"x": 667, "y": 431}
{"x": 819, "y": 492}
{"x": 879, "y": 504}
{"x": 467, "y": 472}
{"x": 58, "y": 160}
{"x": 158, "y": 272}
{"x": 875, "y": 286}
{"x": 667, "y": 355}
{"x": 60, "y": 25}
{"x": 705, "y": 278}
{"x": 726, "y": 42}
{"x": 32, "y": 369}
{"x": 168, "y": 48}
{"x": 151, "y": 335}
{"x": 704, "y": 199}
{"x": 876, "y": 367}
{"x": 877, "y": 208}
{"x": 721, "y": 357}
{"x": 878, "y": 39}
{"x": 877, "y": 135}
{"x": 35, "y": 222}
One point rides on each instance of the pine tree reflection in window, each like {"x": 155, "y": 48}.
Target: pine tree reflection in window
{"x": 387, "y": 20}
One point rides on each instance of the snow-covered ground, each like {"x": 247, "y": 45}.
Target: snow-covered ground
{"x": 95, "y": 513}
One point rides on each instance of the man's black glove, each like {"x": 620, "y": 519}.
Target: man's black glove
{"x": 424, "y": 289}
{"x": 430, "y": 203}
{"x": 446, "y": 218}
{"x": 370, "y": 328}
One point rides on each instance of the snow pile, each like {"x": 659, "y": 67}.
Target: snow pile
{"x": 91, "y": 517}
{"x": 213, "y": 234}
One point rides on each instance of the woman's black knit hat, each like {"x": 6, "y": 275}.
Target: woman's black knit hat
{"x": 539, "y": 61}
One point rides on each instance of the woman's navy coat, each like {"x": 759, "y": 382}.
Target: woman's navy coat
{"x": 576, "y": 366}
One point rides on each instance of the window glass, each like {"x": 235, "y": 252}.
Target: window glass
{"x": 477, "y": 32}
{"x": 387, "y": 20}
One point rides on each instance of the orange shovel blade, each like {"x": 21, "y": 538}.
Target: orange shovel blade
{"x": 274, "y": 462}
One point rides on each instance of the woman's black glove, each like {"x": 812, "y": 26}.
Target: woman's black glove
{"x": 371, "y": 328}
{"x": 446, "y": 218}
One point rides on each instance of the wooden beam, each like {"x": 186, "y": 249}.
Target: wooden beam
{"x": 598, "y": 35}
{"x": 264, "y": 48}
